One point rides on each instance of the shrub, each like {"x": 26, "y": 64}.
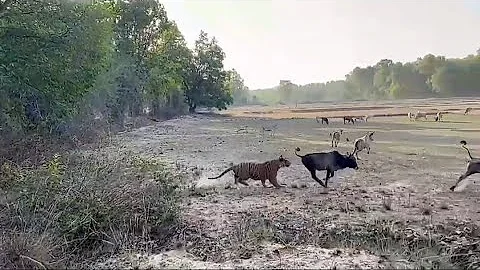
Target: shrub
{"x": 77, "y": 208}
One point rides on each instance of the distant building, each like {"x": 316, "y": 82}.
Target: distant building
{"x": 285, "y": 82}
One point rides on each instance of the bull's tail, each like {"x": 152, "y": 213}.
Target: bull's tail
{"x": 464, "y": 143}
{"x": 222, "y": 174}
{"x": 298, "y": 150}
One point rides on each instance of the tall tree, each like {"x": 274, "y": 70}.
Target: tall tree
{"x": 360, "y": 82}
{"x": 428, "y": 65}
{"x": 236, "y": 86}
{"x": 286, "y": 89}
{"x": 170, "y": 58}
{"x": 206, "y": 78}
{"x": 50, "y": 56}
{"x": 140, "y": 25}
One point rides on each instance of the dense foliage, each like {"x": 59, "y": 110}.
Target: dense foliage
{"x": 106, "y": 59}
{"x": 430, "y": 76}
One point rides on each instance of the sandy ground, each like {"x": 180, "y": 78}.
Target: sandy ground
{"x": 405, "y": 179}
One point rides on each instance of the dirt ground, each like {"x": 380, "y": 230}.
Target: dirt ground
{"x": 395, "y": 211}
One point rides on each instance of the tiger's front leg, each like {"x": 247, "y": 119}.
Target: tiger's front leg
{"x": 264, "y": 184}
{"x": 274, "y": 182}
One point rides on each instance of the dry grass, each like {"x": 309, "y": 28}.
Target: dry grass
{"x": 434, "y": 248}
{"x": 387, "y": 203}
{"x": 357, "y": 109}
{"x": 444, "y": 206}
{"x": 77, "y": 208}
{"x": 426, "y": 210}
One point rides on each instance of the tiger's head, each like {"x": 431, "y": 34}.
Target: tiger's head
{"x": 284, "y": 162}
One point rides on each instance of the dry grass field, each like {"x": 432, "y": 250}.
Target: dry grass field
{"x": 395, "y": 211}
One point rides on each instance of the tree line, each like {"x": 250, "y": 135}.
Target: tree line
{"x": 65, "y": 60}
{"x": 428, "y": 76}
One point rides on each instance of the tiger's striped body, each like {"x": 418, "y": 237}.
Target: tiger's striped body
{"x": 257, "y": 171}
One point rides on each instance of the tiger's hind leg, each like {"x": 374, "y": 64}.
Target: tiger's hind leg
{"x": 243, "y": 182}
{"x": 237, "y": 180}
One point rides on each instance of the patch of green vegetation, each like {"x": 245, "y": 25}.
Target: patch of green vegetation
{"x": 79, "y": 207}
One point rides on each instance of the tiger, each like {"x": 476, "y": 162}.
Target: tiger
{"x": 257, "y": 171}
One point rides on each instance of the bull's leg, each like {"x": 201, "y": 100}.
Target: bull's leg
{"x": 332, "y": 142}
{"x": 329, "y": 175}
{"x": 463, "y": 176}
{"x": 325, "y": 187}
{"x": 314, "y": 176}
{"x": 368, "y": 150}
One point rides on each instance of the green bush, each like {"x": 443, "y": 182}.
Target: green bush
{"x": 77, "y": 208}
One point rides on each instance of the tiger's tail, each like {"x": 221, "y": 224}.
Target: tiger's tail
{"x": 223, "y": 173}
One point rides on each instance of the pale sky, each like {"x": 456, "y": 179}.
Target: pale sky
{"x": 320, "y": 40}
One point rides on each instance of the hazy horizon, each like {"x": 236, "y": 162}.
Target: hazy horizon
{"x": 324, "y": 40}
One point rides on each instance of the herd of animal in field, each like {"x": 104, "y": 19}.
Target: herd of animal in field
{"x": 331, "y": 161}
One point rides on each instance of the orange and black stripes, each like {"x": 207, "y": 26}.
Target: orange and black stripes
{"x": 258, "y": 171}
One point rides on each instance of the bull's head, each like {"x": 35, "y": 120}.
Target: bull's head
{"x": 351, "y": 161}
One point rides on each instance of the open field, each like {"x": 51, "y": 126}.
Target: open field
{"x": 395, "y": 211}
